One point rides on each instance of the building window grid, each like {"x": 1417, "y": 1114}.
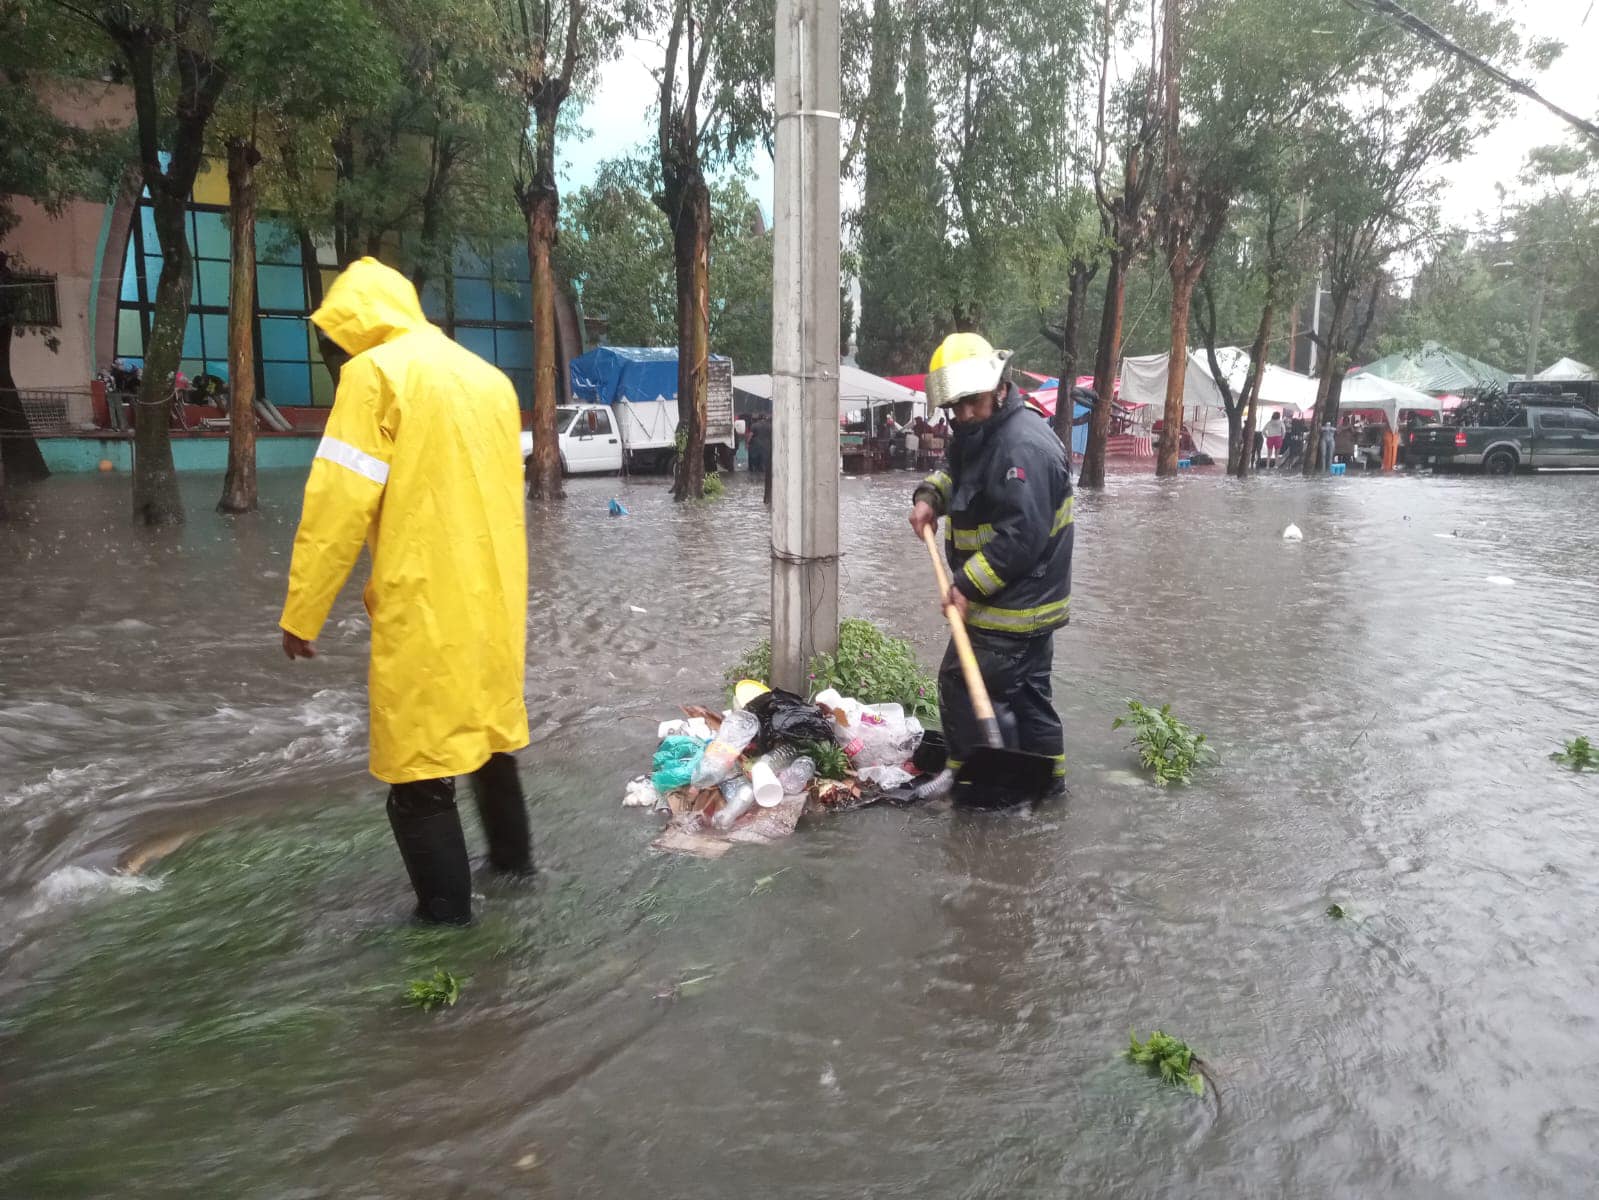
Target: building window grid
{"x": 495, "y": 323}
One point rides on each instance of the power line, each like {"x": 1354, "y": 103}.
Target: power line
{"x": 1428, "y": 33}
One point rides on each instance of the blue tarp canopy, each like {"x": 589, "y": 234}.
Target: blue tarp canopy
{"x": 607, "y": 374}
{"x": 1079, "y": 432}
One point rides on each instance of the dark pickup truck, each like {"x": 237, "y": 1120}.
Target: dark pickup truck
{"x": 1538, "y": 437}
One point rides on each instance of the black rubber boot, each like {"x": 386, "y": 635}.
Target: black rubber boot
{"x": 427, "y": 830}
{"x": 500, "y": 804}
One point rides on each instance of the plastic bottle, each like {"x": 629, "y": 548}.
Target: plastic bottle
{"x": 768, "y": 790}
{"x": 797, "y": 776}
{"x": 738, "y": 796}
{"x": 721, "y": 757}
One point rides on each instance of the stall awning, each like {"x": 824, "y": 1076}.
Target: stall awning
{"x": 857, "y": 390}
{"x": 1435, "y": 369}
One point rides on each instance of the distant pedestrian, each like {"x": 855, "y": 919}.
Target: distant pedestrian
{"x": 1329, "y": 439}
{"x": 1275, "y": 429}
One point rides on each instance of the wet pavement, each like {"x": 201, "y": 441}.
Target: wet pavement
{"x": 894, "y": 1002}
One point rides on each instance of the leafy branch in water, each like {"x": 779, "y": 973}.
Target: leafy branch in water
{"x": 1171, "y": 1059}
{"x": 832, "y": 762}
{"x": 715, "y": 489}
{"x": 1165, "y": 745}
{"x": 1336, "y": 912}
{"x": 868, "y": 665}
{"x": 1579, "y": 755}
{"x": 441, "y": 990}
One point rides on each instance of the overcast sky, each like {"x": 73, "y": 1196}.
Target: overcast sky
{"x": 618, "y": 117}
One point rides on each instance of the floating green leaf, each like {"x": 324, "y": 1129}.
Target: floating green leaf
{"x": 1579, "y": 754}
{"x": 1171, "y": 1059}
{"x": 440, "y": 990}
{"x": 1336, "y": 912}
{"x": 1165, "y": 745}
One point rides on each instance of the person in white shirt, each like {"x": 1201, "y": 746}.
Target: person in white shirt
{"x": 1274, "y": 438}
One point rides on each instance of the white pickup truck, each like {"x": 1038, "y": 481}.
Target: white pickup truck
{"x": 640, "y": 435}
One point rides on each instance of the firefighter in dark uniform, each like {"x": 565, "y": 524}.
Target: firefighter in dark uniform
{"x": 1006, "y": 490}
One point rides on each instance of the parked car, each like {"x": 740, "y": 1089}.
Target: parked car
{"x": 1538, "y": 437}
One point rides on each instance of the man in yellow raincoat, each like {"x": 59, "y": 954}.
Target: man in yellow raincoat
{"x": 422, "y": 463}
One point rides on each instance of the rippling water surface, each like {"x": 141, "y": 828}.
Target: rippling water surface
{"x": 892, "y": 1003}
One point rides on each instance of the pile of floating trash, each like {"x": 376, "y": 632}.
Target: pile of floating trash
{"x": 747, "y": 775}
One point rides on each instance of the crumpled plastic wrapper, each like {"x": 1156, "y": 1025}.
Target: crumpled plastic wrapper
{"x": 641, "y": 793}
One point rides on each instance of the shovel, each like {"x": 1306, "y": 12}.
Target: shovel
{"x": 991, "y": 776}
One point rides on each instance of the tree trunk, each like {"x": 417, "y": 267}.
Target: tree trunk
{"x": 345, "y": 235}
{"x": 1535, "y": 319}
{"x": 691, "y": 242}
{"x": 21, "y": 460}
{"x": 1257, "y": 370}
{"x": 155, "y": 479}
{"x": 1176, "y": 375}
{"x": 1237, "y": 448}
{"x": 312, "y": 268}
{"x": 1326, "y": 394}
{"x": 542, "y": 207}
{"x": 238, "y": 489}
{"x": 1071, "y": 327}
{"x": 1106, "y": 360}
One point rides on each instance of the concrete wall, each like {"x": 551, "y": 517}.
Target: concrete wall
{"x": 70, "y": 455}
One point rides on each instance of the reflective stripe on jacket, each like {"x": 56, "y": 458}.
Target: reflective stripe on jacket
{"x": 1007, "y": 492}
{"x": 422, "y": 462}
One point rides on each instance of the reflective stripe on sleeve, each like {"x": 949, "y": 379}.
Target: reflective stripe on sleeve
{"x": 982, "y": 575}
{"x": 355, "y": 460}
{"x": 1063, "y": 516}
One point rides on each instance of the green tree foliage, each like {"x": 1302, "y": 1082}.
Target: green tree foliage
{"x": 901, "y": 224}
{"x": 1484, "y": 292}
{"x": 615, "y": 250}
{"x": 997, "y": 115}
{"x": 431, "y": 163}
{"x": 741, "y": 279}
{"x": 46, "y": 161}
{"x": 1377, "y": 184}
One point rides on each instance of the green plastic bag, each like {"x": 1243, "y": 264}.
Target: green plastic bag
{"x": 675, "y": 762}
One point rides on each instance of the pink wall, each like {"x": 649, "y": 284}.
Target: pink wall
{"x": 68, "y": 246}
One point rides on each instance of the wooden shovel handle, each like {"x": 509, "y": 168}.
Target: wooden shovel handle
{"x": 963, "y": 647}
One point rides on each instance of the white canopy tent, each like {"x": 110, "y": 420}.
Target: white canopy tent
{"x": 1566, "y": 369}
{"x": 858, "y": 392}
{"x": 1281, "y": 390}
{"x": 1144, "y": 382}
{"x": 1393, "y": 398}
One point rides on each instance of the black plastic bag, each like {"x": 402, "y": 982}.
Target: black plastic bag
{"x": 788, "y": 719}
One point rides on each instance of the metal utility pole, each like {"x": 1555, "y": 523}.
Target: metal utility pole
{"x": 805, "y": 307}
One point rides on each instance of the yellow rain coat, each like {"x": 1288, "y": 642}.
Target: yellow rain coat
{"x": 422, "y": 462}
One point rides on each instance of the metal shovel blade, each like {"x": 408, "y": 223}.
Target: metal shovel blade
{"x": 993, "y": 778}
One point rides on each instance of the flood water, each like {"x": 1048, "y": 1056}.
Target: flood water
{"x": 892, "y": 1003}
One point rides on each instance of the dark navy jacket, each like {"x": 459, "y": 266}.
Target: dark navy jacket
{"x": 1007, "y": 491}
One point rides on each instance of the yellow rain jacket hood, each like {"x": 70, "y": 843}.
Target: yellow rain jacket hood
{"x": 422, "y": 462}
